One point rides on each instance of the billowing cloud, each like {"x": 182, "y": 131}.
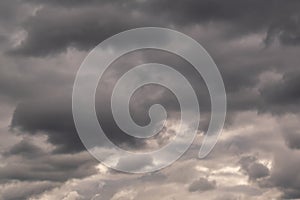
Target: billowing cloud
{"x": 202, "y": 185}
{"x": 256, "y": 47}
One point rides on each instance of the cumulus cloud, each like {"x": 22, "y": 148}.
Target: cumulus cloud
{"x": 254, "y": 169}
{"x": 202, "y": 185}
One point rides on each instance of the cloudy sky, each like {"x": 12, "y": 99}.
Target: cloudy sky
{"x": 256, "y": 46}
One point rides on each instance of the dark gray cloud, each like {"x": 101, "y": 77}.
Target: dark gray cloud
{"x": 292, "y": 139}
{"x": 53, "y": 29}
{"x": 50, "y": 30}
{"x": 26, "y": 149}
{"x": 39, "y": 165}
{"x": 51, "y": 116}
{"x": 253, "y": 169}
{"x": 202, "y": 185}
{"x": 283, "y": 94}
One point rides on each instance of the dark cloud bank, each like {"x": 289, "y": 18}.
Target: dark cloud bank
{"x": 254, "y": 43}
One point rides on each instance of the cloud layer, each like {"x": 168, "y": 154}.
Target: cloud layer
{"x": 256, "y": 47}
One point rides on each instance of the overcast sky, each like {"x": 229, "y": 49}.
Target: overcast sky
{"x": 256, "y": 46}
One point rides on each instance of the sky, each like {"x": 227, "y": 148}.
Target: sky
{"x": 255, "y": 45}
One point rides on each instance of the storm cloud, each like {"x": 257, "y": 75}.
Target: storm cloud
{"x": 255, "y": 45}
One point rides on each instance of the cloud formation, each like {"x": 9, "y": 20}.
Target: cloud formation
{"x": 256, "y": 47}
